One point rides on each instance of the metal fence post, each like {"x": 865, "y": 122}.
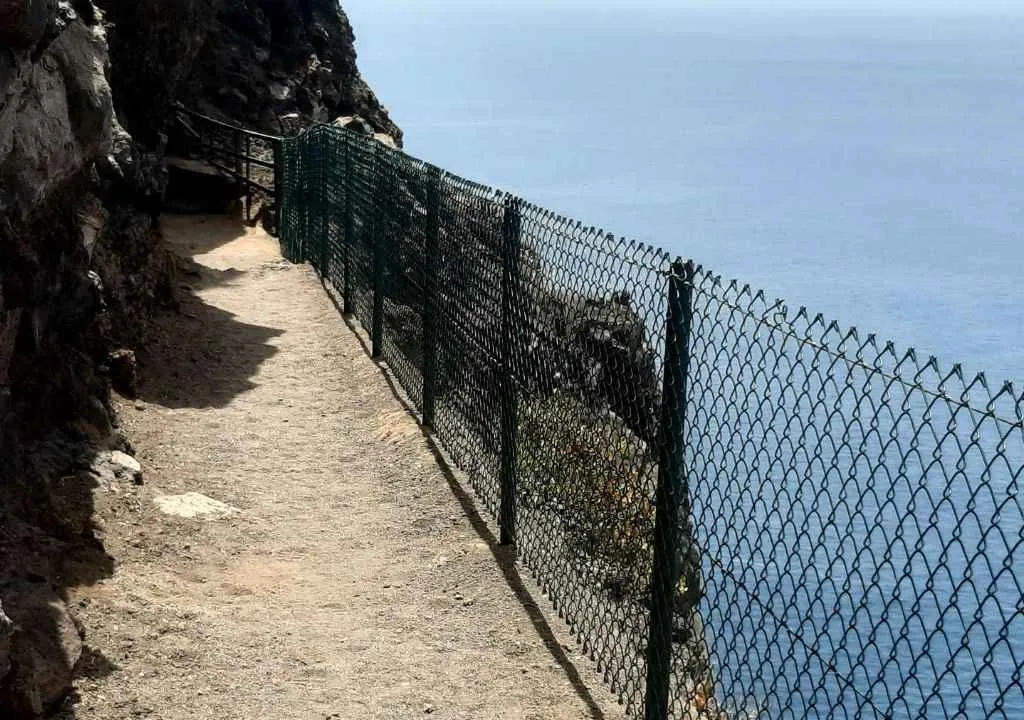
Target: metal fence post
{"x": 347, "y": 306}
{"x": 672, "y": 492}
{"x": 510, "y": 296}
{"x": 380, "y": 202}
{"x": 324, "y": 235}
{"x": 431, "y": 250}
{"x": 302, "y": 174}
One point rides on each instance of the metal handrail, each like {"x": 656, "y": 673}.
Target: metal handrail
{"x": 236, "y": 160}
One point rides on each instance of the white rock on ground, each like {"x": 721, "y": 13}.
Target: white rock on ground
{"x": 194, "y": 505}
{"x": 126, "y": 462}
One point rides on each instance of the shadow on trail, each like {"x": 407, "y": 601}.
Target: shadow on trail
{"x": 216, "y": 231}
{"x": 202, "y": 356}
{"x": 504, "y": 555}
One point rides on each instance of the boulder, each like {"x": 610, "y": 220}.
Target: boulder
{"x": 613, "y": 336}
{"x": 111, "y": 468}
{"x": 599, "y": 347}
{"x": 123, "y": 370}
{"x": 354, "y": 123}
{"x": 194, "y": 505}
{"x": 385, "y": 139}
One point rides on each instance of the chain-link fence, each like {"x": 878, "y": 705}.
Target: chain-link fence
{"x": 741, "y": 510}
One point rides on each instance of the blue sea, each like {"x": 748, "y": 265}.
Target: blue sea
{"x": 867, "y": 164}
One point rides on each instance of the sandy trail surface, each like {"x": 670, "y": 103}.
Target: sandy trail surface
{"x": 346, "y": 574}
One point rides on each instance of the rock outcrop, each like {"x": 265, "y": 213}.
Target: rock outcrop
{"x": 267, "y": 59}
{"x": 86, "y": 114}
{"x": 251, "y": 61}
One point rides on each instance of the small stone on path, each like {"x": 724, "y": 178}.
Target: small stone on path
{"x": 194, "y": 505}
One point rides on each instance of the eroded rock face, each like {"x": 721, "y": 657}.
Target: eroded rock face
{"x": 43, "y": 652}
{"x": 40, "y": 641}
{"x": 56, "y": 111}
{"x": 153, "y": 45}
{"x": 77, "y": 255}
{"x": 23, "y": 22}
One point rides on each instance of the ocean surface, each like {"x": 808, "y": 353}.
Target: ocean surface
{"x": 868, "y": 165}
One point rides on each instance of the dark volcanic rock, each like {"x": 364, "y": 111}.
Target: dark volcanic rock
{"x": 153, "y": 44}
{"x": 44, "y": 650}
{"x": 56, "y": 113}
{"x": 6, "y": 633}
{"x": 265, "y": 59}
{"x": 80, "y": 265}
{"x": 123, "y": 371}
{"x": 251, "y": 61}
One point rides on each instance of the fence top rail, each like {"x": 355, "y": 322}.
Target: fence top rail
{"x": 776, "y": 315}
{"x": 227, "y": 125}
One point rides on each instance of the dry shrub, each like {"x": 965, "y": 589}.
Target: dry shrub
{"x": 584, "y": 463}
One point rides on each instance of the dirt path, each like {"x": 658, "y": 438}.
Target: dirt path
{"x": 351, "y": 583}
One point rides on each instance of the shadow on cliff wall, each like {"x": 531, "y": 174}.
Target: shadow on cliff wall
{"x": 36, "y": 572}
{"x": 48, "y": 546}
{"x": 202, "y": 355}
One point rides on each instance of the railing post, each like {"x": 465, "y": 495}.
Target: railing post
{"x": 248, "y": 177}
{"x": 431, "y": 248}
{"x": 279, "y": 192}
{"x": 236, "y": 136}
{"x": 510, "y": 297}
{"x": 380, "y": 202}
{"x": 672, "y": 493}
{"x": 347, "y": 306}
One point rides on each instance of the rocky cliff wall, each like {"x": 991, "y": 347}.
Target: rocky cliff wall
{"x": 267, "y": 64}
{"x": 86, "y": 93}
{"x": 271, "y": 59}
